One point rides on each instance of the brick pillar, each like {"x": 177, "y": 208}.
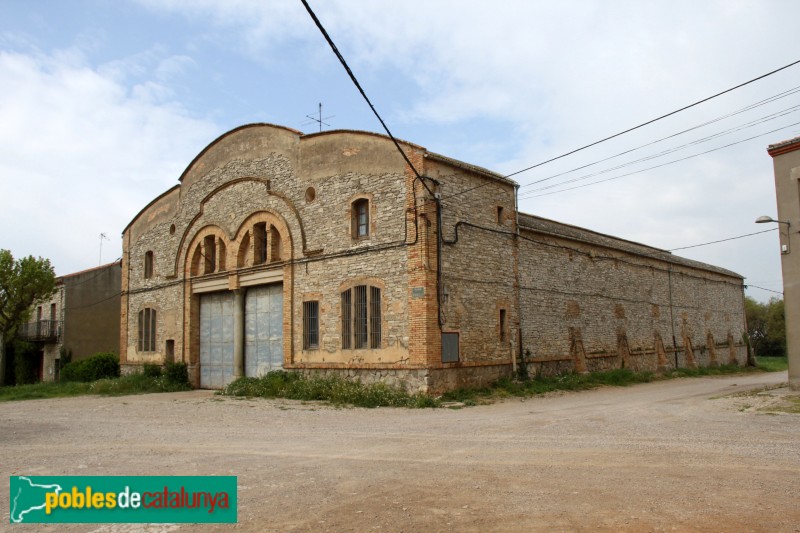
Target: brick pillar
{"x": 425, "y": 346}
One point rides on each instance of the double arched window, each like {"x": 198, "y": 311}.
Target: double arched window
{"x": 361, "y": 317}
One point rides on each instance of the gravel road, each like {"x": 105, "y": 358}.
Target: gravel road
{"x": 679, "y": 455}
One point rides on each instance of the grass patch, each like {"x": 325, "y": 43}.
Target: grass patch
{"x": 333, "y": 389}
{"x": 772, "y": 364}
{"x": 131, "y": 384}
{"x": 708, "y": 371}
{"x": 789, "y": 405}
{"x": 540, "y": 385}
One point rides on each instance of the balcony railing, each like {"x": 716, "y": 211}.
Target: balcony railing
{"x": 41, "y": 330}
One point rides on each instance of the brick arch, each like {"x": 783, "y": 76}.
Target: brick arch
{"x": 244, "y": 236}
{"x": 291, "y": 211}
{"x": 193, "y": 255}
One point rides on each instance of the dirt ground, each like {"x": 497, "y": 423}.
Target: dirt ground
{"x": 681, "y": 455}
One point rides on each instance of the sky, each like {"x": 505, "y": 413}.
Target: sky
{"x": 104, "y": 103}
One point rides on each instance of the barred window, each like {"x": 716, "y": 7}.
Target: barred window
{"x": 361, "y": 317}
{"x": 310, "y": 325}
{"x": 147, "y": 330}
{"x": 346, "y": 319}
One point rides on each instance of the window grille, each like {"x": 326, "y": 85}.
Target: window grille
{"x": 147, "y": 330}
{"x": 310, "y": 325}
{"x": 375, "y": 317}
{"x": 360, "y": 316}
{"x": 346, "y": 319}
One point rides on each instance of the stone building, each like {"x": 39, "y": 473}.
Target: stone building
{"x": 81, "y": 317}
{"x": 323, "y": 253}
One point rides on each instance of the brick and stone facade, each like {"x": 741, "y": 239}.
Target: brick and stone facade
{"x": 365, "y": 283}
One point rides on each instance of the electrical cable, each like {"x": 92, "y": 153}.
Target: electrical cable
{"x": 723, "y": 240}
{"x": 363, "y": 94}
{"x": 746, "y": 125}
{"x": 771, "y": 99}
{"x": 747, "y": 286}
{"x": 655, "y": 166}
{"x": 684, "y": 108}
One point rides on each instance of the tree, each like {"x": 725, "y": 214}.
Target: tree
{"x": 22, "y": 282}
{"x": 766, "y": 326}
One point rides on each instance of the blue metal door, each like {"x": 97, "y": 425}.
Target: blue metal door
{"x": 263, "y": 330}
{"x": 216, "y": 340}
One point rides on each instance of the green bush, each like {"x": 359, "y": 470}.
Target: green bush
{"x": 333, "y": 389}
{"x": 151, "y": 371}
{"x": 99, "y": 366}
{"x": 177, "y": 374}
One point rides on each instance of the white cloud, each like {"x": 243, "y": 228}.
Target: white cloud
{"x": 81, "y": 153}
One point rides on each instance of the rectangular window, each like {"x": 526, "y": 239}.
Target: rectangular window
{"x": 210, "y": 254}
{"x": 360, "y": 218}
{"x": 500, "y": 214}
{"x": 148, "y": 265}
{"x": 360, "y": 316}
{"x": 260, "y": 242}
{"x": 52, "y": 311}
{"x": 147, "y": 330}
{"x": 375, "y": 317}
{"x": 310, "y": 325}
{"x": 346, "y": 319}
{"x": 502, "y": 325}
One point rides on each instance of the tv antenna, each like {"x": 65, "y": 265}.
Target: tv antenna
{"x": 103, "y": 237}
{"x": 318, "y": 118}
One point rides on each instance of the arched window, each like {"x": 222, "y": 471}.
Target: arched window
{"x": 361, "y": 317}
{"x": 147, "y": 330}
{"x": 148, "y": 264}
{"x": 360, "y": 219}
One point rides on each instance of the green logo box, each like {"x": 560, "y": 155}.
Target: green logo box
{"x": 123, "y": 499}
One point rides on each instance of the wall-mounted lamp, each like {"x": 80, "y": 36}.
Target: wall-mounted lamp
{"x": 764, "y": 219}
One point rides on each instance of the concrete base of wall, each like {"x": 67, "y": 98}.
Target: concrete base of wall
{"x": 642, "y": 362}
{"x": 439, "y": 380}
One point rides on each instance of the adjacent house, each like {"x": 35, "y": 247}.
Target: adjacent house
{"x": 327, "y": 253}
{"x": 81, "y": 318}
{"x": 786, "y": 163}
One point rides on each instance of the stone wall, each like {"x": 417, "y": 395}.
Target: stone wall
{"x": 561, "y": 297}
{"x": 588, "y": 307}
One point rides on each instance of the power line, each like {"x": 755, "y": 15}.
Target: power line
{"x": 747, "y": 286}
{"x": 723, "y": 240}
{"x": 363, "y": 94}
{"x": 765, "y": 101}
{"x": 657, "y": 166}
{"x": 684, "y": 108}
{"x": 746, "y": 125}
